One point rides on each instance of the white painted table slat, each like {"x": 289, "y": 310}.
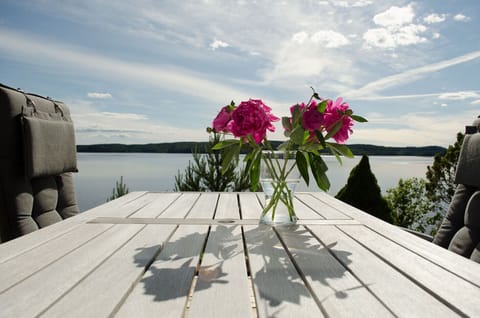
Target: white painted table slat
{"x": 205, "y": 255}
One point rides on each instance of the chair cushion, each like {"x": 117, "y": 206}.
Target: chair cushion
{"x": 455, "y": 218}
{"x": 467, "y": 238}
{"x": 476, "y": 254}
{"x": 48, "y": 141}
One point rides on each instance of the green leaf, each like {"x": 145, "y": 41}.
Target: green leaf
{"x": 334, "y": 129}
{"x": 284, "y": 145}
{"x": 296, "y": 115}
{"x": 248, "y": 156}
{"x": 342, "y": 149}
{"x": 320, "y": 138}
{"x": 323, "y": 182}
{"x": 287, "y": 125}
{"x": 318, "y": 168}
{"x": 322, "y": 106}
{"x": 229, "y": 154}
{"x": 317, "y": 163}
{"x": 298, "y": 135}
{"x": 311, "y": 147}
{"x": 225, "y": 144}
{"x": 337, "y": 155}
{"x": 302, "y": 165}
{"x": 360, "y": 119}
{"x": 249, "y": 159}
{"x": 255, "y": 170}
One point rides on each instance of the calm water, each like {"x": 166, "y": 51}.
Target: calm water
{"x": 98, "y": 173}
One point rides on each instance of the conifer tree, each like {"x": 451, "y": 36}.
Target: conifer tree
{"x": 205, "y": 172}
{"x": 119, "y": 190}
{"x": 363, "y": 192}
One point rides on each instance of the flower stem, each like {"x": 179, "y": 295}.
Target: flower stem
{"x": 278, "y": 174}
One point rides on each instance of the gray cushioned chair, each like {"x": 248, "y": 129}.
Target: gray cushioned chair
{"x": 37, "y": 157}
{"x": 460, "y": 229}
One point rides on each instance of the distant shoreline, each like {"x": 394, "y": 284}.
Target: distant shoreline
{"x": 189, "y": 147}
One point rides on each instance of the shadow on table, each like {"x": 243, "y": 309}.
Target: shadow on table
{"x": 275, "y": 276}
{"x": 171, "y": 274}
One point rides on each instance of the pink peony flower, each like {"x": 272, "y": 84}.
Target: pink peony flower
{"x": 301, "y": 105}
{"x": 252, "y": 118}
{"x": 333, "y": 114}
{"x": 312, "y": 119}
{"x": 220, "y": 123}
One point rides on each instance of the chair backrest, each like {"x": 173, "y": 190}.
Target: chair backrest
{"x": 460, "y": 229}
{"x": 37, "y": 157}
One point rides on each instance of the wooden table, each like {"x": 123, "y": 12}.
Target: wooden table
{"x": 204, "y": 255}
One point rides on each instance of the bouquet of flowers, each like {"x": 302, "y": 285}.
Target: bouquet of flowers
{"x": 309, "y": 129}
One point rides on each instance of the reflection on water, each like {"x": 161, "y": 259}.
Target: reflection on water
{"x": 98, "y": 173}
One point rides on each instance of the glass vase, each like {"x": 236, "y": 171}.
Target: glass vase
{"x": 279, "y": 176}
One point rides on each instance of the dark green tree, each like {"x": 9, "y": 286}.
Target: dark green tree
{"x": 363, "y": 192}
{"x": 119, "y": 190}
{"x": 205, "y": 172}
{"x": 420, "y": 204}
{"x": 441, "y": 175}
{"x": 440, "y": 186}
{"x": 410, "y": 205}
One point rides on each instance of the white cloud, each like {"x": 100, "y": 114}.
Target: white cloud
{"x": 395, "y": 16}
{"x": 443, "y": 105}
{"x": 390, "y": 97}
{"x": 108, "y": 127}
{"x": 443, "y": 96}
{"x": 309, "y": 56}
{"x": 409, "y": 76}
{"x": 300, "y": 37}
{"x": 414, "y": 129}
{"x": 459, "y": 95}
{"x": 396, "y": 29}
{"x": 461, "y": 17}
{"x": 99, "y": 95}
{"x": 167, "y": 77}
{"x": 218, "y": 44}
{"x": 329, "y": 39}
{"x": 434, "y": 18}
{"x": 324, "y": 38}
{"x": 388, "y": 38}
{"x": 350, "y": 4}
{"x": 381, "y": 38}
{"x": 122, "y": 116}
{"x": 436, "y": 35}
{"x": 476, "y": 102}
{"x": 409, "y": 34}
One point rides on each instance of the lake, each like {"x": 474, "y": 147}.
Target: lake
{"x": 98, "y": 173}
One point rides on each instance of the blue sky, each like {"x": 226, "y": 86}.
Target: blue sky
{"x": 158, "y": 71}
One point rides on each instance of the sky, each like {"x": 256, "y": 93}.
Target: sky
{"x": 149, "y": 71}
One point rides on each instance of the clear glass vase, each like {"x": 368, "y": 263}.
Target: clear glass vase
{"x": 279, "y": 177}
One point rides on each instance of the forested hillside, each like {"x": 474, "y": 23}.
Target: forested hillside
{"x": 188, "y": 147}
